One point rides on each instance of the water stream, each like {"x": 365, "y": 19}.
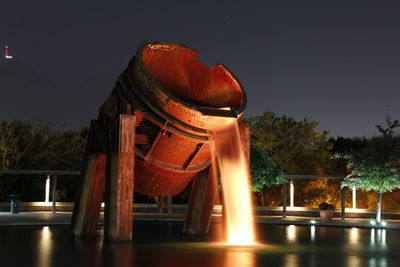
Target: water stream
{"x": 235, "y": 182}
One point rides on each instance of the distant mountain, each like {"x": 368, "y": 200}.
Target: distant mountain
{"x": 27, "y": 95}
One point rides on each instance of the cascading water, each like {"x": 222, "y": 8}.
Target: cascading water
{"x": 235, "y": 181}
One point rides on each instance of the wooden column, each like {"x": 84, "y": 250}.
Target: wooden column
{"x": 201, "y": 202}
{"x": 87, "y": 211}
{"x": 120, "y": 178}
{"x": 169, "y": 201}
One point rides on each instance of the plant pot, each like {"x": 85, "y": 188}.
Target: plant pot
{"x": 326, "y": 215}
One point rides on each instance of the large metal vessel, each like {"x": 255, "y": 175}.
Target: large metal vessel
{"x": 171, "y": 94}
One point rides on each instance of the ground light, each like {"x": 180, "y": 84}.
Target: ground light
{"x": 383, "y": 223}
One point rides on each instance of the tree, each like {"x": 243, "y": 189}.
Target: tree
{"x": 38, "y": 146}
{"x": 375, "y": 167}
{"x": 264, "y": 171}
{"x": 264, "y": 174}
{"x": 284, "y": 145}
{"x": 295, "y": 146}
{"x": 14, "y": 136}
{"x": 51, "y": 148}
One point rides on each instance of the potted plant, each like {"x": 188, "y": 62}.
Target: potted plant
{"x": 326, "y": 211}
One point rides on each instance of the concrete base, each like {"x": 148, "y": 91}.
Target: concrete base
{"x": 181, "y": 209}
{"x": 64, "y": 219}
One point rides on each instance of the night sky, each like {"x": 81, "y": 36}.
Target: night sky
{"x": 335, "y": 62}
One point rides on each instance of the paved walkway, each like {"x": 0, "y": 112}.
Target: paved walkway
{"x": 64, "y": 218}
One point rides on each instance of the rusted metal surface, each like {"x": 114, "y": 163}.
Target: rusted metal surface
{"x": 171, "y": 94}
{"x": 153, "y": 129}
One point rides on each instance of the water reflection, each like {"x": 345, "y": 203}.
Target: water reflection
{"x": 353, "y": 261}
{"x": 291, "y": 233}
{"x": 354, "y": 236}
{"x": 378, "y": 238}
{"x": 373, "y": 262}
{"x": 91, "y": 252}
{"x": 372, "y": 242}
{"x": 118, "y": 254}
{"x": 383, "y": 239}
{"x": 155, "y": 245}
{"x": 312, "y": 233}
{"x": 45, "y": 246}
{"x": 240, "y": 258}
{"x": 291, "y": 260}
{"x": 313, "y": 261}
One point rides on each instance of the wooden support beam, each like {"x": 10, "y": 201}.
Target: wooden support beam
{"x": 169, "y": 201}
{"x": 201, "y": 202}
{"x": 87, "y": 211}
{"x": 120, "y": 183}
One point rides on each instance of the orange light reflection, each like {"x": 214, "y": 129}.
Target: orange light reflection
{"x": 235, "y": 181}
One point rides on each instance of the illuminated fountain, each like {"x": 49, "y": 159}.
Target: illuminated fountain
{"x": 235, "y": 182}
{"x": 158, "y": 130}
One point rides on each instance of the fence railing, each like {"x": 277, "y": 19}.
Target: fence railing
{"x": 292, "y": 178}
{"x": 51, "y": 182}
{"x": 51, "y": 178}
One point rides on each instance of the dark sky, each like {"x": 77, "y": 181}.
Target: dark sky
{"x": 335, "y": 62}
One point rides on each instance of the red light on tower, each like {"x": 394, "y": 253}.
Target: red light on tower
{"x": 7, "y": 55}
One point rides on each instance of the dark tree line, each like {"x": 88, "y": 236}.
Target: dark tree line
{"x": 279, "y": 146}
{"x": 38, "y": 146}
{"x": 374, "y": 164}
{"x": 282, "y": 145}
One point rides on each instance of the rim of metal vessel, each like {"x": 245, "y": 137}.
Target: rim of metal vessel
{"x": 238, "y": 111}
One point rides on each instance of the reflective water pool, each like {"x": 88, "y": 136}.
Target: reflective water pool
{"x": 162, "y": 244}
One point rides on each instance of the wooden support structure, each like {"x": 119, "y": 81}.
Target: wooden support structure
{"x": 201, "y": 202}
{"x": 86, "y": 215}
{"x": 109, "y": 169}
{"x": 118, "y": 217}
{"x": 169, "y": 201}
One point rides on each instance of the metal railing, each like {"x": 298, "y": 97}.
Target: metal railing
{"x": 51, "y": 177}
{"x": 291, "y": 178}
{"x": 51, "y": 181}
